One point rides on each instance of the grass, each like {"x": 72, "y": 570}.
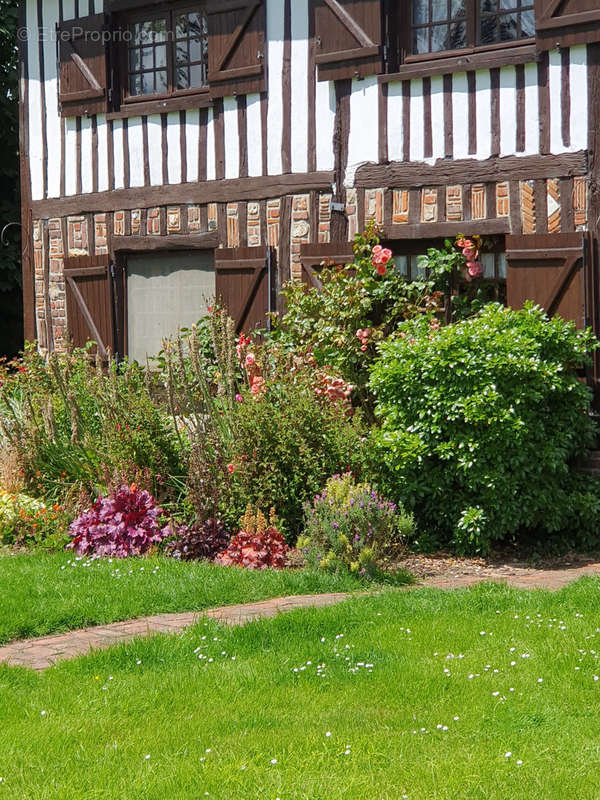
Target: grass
{"x": 43, "y": 593}
{"x": 434, "y": 718}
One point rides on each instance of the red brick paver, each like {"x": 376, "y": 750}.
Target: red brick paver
{"x": 42, "y": 653}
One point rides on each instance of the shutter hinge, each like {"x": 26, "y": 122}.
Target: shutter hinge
{"x": 112, "y": 270}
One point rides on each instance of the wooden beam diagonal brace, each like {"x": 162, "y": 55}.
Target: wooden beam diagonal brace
{"x": 350, "y": 24}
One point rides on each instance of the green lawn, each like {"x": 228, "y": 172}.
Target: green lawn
{"x": 43, "y": 593}
{"x": 485, "y": 693}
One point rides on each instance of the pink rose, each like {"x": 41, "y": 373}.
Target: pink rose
{"x": 377, "y": 250}
{"x": 470, "y": 253}
{"x": 364, "y": 347}
{"x": 385, "y": 256}
{"x": 381, "y": 269}
{"x": 250, "y": 359}
{"x": 475, "y": 269}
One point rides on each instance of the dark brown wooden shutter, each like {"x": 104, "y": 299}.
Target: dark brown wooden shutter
{"x": 550, "y": 271}
{"x": 348, "y": 38}
{"x": 236, "y": 47}
{"x": 89, "y": 302}
{"x": 567, "y": 22}
{"x": 314, "y": 257}
{"x": 83, "y": 87}
{"x": 245, "y": 284}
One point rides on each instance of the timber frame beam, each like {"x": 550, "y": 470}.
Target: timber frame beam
{"x": 218, "y": 191}
{"x": 469, "y": 170}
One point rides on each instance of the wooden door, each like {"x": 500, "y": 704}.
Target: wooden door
{"x": 550, "y": 271}
{"x": 246, "y": 280}
{"x": 314, "y": 257}
{"x": 89, "y": 302}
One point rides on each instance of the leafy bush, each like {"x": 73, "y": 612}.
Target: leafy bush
{"x": 200, "y": 541}
{"x": 349, "y": 526}
{"x": 480, "y": 422}
{"x": 285, "y": 442}
{"x": 258, "y": 545}
{"x": 127, "y": 523}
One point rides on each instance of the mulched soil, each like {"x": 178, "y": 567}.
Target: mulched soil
{"x": 498, "y": 565}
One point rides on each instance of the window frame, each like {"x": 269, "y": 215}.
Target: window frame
{"x": 143, "y": 14}
{"x": 471, "y": 49}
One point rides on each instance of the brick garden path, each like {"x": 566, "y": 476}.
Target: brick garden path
{"x": 41, "y": 653}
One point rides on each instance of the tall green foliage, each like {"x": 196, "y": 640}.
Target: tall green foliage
{"x": 481, "y": 422}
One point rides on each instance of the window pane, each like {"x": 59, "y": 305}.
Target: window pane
{"x": 440, "y": 10}
{"x": 489, "y": 30}
{"x": 147, "y": 58}
{"x": 502, "y": 265}
{"x": 197, "y": 75}
{"x": 401, "y": 264}
{"x": 198, "y": 49}
{"x": 420, "y": 12}
{"x": 439, "y": 38}
{"x": 505, "y": 20}
{"x": 183, "y": 78}
{"x": 421, "y": 40}
{"x": 181, "y": 53}
{"x": 458, "y": 36}
{"x": 160, "y": 52}
{"x": 161, "y": 81}
{"x": 488, "y": 261}
{"x": 527, "y": 23}
{"x": 147, "y": 83}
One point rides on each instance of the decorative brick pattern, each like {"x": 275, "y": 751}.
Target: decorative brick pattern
{"x": 253, "y": 231}
{"x": 153, "y": 222}
{"x": 454, "y": 203}
{"x": 273, "y": 220}
{"x": 136, "y": 222}
{"x": 502, "y": 200}
{"x": 352, "y": 213}
{"x": 119, "y": 223}
{"x": 100, "y": 234}
{"x": 300, "y": 232}
{"x": 233, "y": 225}
{"x": 527, "y": 206}
{"x": 212, "y": 216}
{"x": 553, "y": 203}
{"x": 580, "y": 212}
{"x": 56, "y": 282}
{"x": 78, "y": 241}
{"x": 478, "y": 202}
{"x": 374, "y": 206}
{"x": 193, "y": 218}
{"x": 324, "y": 232}
{"x": 400, "y": 201}
{"x": 429, "y": 205}
{"x": 173, "y": 219}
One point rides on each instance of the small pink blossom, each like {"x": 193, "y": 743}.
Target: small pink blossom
{"x": 250, "y": 360}
{"x": 239, "y": 398}
{"x": 475, "y": 269}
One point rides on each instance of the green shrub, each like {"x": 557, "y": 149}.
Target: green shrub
{"x": 285, "y": 444}
{"x": 480, "y": 422}
{"x": 351, "y": 527}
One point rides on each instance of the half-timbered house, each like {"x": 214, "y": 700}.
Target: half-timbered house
{"x": 174, "y": 150}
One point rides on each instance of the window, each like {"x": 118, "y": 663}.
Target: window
{"x": 440, "y": 25}
{"x": 167, "y": 53}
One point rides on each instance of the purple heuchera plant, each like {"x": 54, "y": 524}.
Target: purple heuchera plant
{"x": 126, "y": 523}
